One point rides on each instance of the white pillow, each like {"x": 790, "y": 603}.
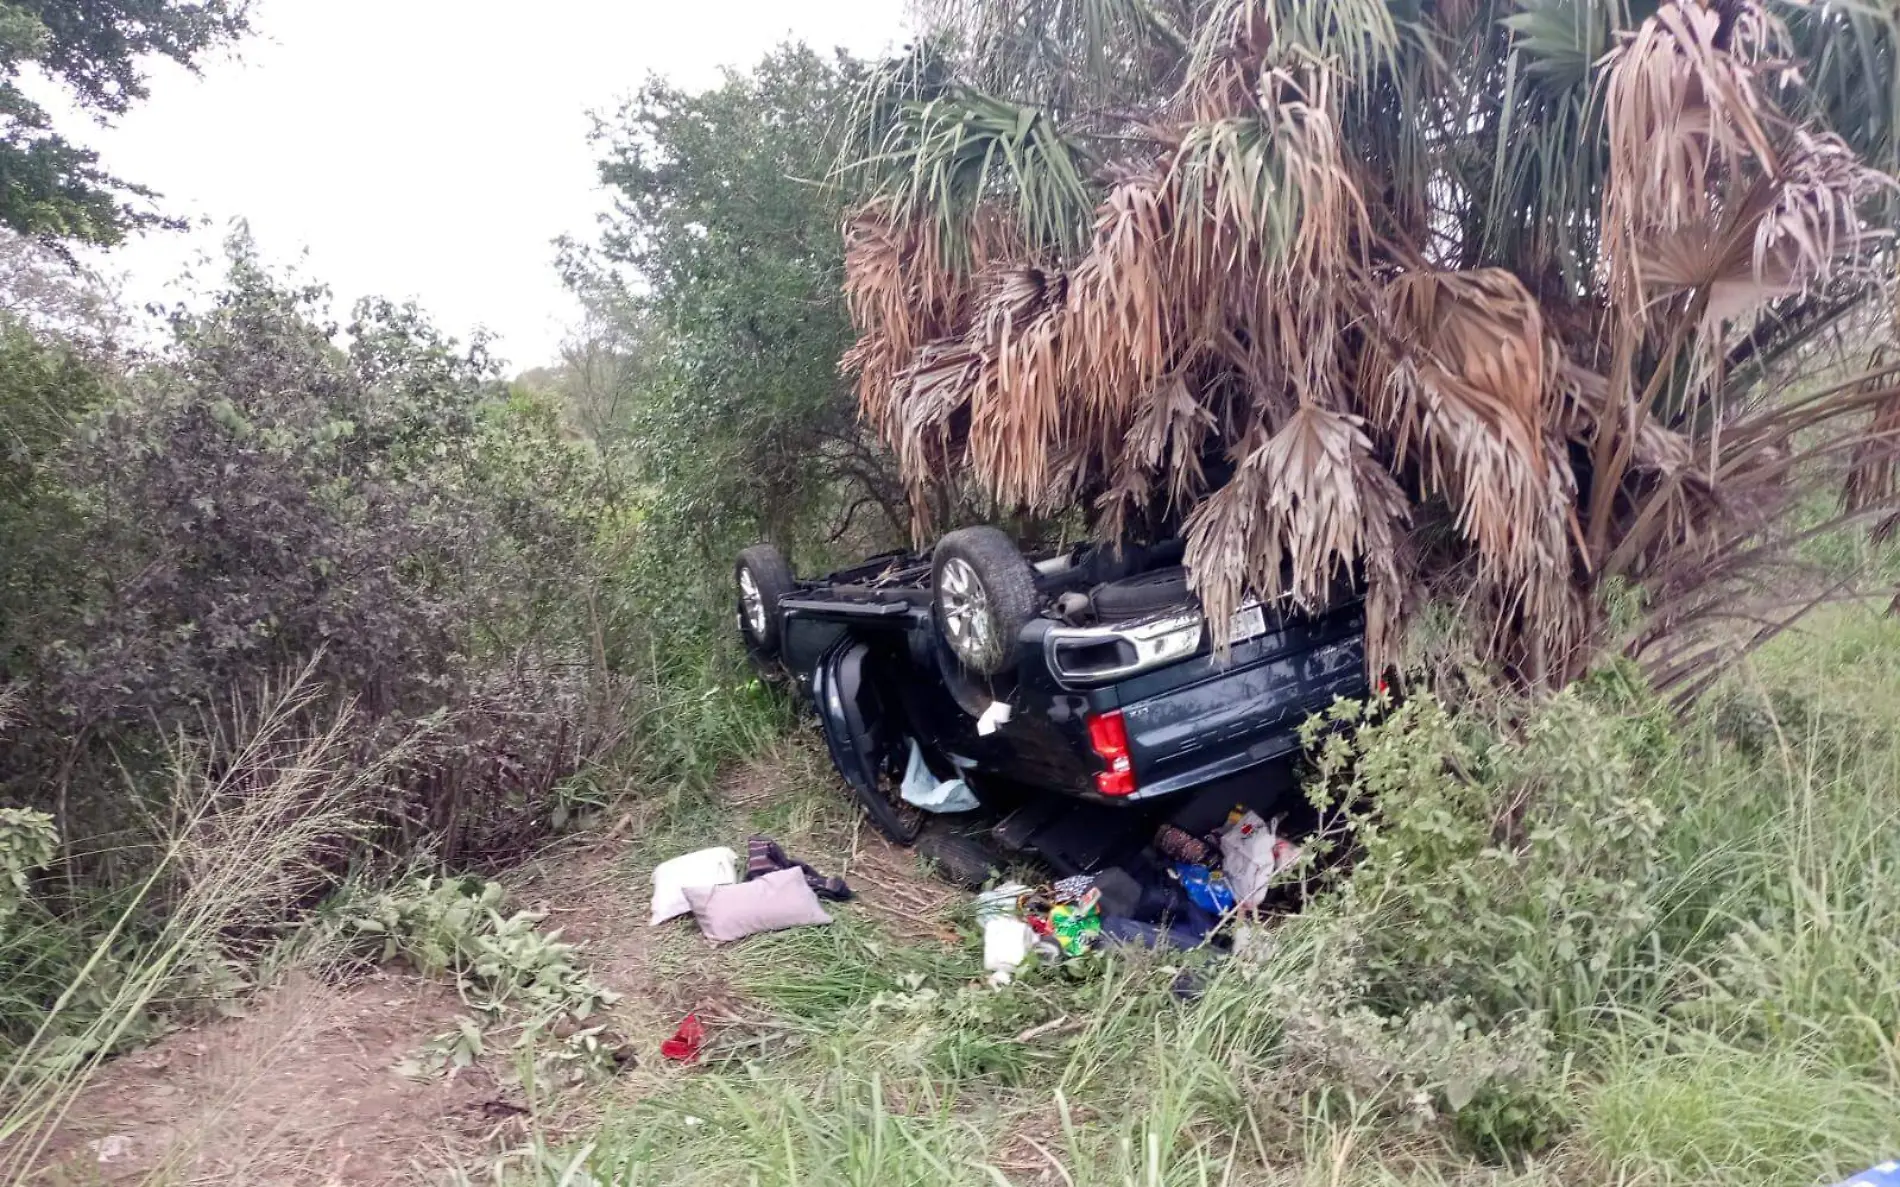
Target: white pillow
{"x": 708, "y": 867}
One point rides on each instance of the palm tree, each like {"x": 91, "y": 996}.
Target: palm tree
{"x": 1515, "y": 302}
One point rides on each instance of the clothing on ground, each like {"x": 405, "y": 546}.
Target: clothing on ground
{"x": 765, "y": 856}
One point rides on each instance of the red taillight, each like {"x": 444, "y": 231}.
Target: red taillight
{"x": 1108, "y": 737}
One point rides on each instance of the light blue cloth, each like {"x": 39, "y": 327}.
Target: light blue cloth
{"x": 926, "y": 791}
{"x": 1887, "y": 1174}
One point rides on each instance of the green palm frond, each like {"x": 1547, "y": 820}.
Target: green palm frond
{"x": 1069, "y": 55}
{"x": 1851, "y": 55}
{"x": 1560, "y": 41}
{"x": 945, "y": 156}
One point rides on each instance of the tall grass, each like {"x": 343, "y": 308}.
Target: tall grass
{"x": 1596, "y": 946}
{"x": 259, "y": 814}
{"x": 694, "y": 711}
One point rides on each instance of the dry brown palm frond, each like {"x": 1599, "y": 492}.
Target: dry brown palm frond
{"x": 1786, "y": 234}
{"x": 1307, "y": 505}
{"x": 1125, "y": 320}
{"x": 1288, "y": 238}
{"x": 1716, "y": 205}
{"x": 927, "y": 395}
{"x": 1271, "y": 230}
{"x": 1478, "y": 335}
{"x": 1670, "y": 503}
{"x": 1227, "y": 61}
{"x": 1684, "y": 119}
{"x": 877, "y": 297}
{"x": 1166, "y": 435}
{"x": 1713, "y": 192}
{"x": 1815, "y": 222}
{"x": 911, "y": 303}
{"x": 1463, "y": 378}
{"x": 1016, "y": 405}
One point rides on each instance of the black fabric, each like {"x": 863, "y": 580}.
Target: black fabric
{"x": 765, "y": 856}
{"x": 1121, "y": 894}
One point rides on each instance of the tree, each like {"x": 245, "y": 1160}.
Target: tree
{"x": 56, "y": 191}
{"x": 608, "y": 362}
{"x": 1494, "y": 299}
{"x": 728, "y": 237}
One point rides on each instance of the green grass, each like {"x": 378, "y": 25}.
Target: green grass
{"x": 1741, "y": 1031}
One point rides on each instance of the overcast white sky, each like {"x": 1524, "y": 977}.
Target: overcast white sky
{"x": 429, "y": 148}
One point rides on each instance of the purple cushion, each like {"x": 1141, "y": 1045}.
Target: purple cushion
{"x": 778, "y": 900}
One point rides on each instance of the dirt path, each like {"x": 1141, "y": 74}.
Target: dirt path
{"x": 304, "y": 1091}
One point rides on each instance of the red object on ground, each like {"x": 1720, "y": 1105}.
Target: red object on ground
{"x": 684, "y": 1045}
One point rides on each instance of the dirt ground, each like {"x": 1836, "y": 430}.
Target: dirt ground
{"x": 304, "y": 1091}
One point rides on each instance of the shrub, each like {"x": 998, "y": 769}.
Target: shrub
{"x": 1517, "y": 866}
{"x": 387, "y": 511}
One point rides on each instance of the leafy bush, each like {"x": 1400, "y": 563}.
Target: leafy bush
{"x": 28, "y": 841}
{"x": 506, "y": 968}
{"x": 1519, "y": 867}
{"x": 386, "y": 510}
{"x": 741, "y": 424}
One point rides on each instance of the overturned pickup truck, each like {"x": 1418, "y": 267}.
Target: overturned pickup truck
{"x": 1085, "y": 676}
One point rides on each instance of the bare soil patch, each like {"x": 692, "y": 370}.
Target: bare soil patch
{"x": 304, "y": 1091}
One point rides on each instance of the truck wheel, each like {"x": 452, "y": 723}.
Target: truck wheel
{"x": 984, "y": 593}
{"x": 763, "y": 579}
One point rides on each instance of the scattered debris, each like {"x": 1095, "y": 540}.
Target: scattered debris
{"x": 994, "y": 718}
{"x": 1251, "y": 853}
{"x": 1184, "y": 847}
{"x": 114, "y": 1147}
{"x": 1206, "y": 888}
{"x": 1056, "y": 1025}
{"x": 1000, "y": 902}
{"x": 706, "y": 867}
{"x": 1887, "y": 1174}
{"x": 772, "y": 903}
{"x": 921, "y": 788}
{"x": 684, "y": 1046}
{"x": 765, "y": 856}
{"x": 1076, "y": 925}
{"x": 1006, "y": 945}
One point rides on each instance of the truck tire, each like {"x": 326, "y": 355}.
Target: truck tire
{"x": 1145, "y": 593}
{"x": 763, "y": 579}
{"x": 983, "y": 593}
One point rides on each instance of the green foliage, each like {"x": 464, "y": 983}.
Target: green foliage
{"x": 743, "y": 428}
{"x": 707, "y": 376}
{"x": 509, "y": 971}
{"x": 28, "y": 841}
{"x": 55, "y": 190}
{"x": 1520, "y": 868}
{"x": 266, "y": 497}
{"x": 46, "y": 386}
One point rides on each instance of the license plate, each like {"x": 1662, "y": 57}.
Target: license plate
{"x": 1249, "y": 623}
